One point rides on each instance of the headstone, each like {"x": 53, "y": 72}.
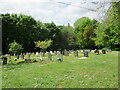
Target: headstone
{"x": 103, "y": 51}
{"x": 88, "y": 50}
{"x": 49, "y": 56}
{"x": 51, "y": 52}
{"x": 14, "y": 54}
{"x": 76, "y": 53}
{"x": 108, "y": 50}
{"x": 55, "y": 52}
{"x": 41, "y": 56}
{"x": 15, "y": 59}
{"x": 96, "y": 52}
{"x": 37, "y": 53}
{"x": 9, "y": 56}
{"x": 66, "y": 53}
{"x": 30, "y": 53}
{"x": 33, "y": 54}
{"x": 4, "y": 60}
{"x": 22, "y": 56}
{"x": 59, "y": 56}
{"x": 28, "y": 56}
{"x": 17, "y": 56}
{"x": 86, "y": 53}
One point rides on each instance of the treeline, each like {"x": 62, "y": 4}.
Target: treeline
{"x": 85, "y": 34}
{"x": 25, "y": 30}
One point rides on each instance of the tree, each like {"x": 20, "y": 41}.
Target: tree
{"x": 84, "y": 31}
{"x": 15, "y": 48}
{"x": 67, "y": 38}
{"x": 43, "y": 44}
{"x": 108, "y": 32}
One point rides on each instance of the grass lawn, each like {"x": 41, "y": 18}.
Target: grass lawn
{"x": 96, "y": 71}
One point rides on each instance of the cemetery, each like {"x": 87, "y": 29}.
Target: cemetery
{"x": 72, "y": 50}
{"x": 81, "y": 71}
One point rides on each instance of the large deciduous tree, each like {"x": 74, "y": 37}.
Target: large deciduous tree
{"x": 108, "y": 32}
{"x": 84, "y": 30}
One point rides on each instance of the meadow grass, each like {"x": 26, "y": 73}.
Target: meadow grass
{"x": 96, "y": 71}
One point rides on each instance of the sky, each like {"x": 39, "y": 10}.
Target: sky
{"x": 61, "y": 12}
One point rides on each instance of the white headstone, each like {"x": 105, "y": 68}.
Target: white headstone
{"x": 37, "y": 53}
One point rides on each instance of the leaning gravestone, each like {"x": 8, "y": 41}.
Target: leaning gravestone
{"x": 41, "y": 55}
{"x": 49, "y": 56}
{"x": 76, "y": 53}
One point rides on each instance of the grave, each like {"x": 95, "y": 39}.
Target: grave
{"x": 108, "y": 50}
{"x": 37, "y": 53}
{"x": 9, "y": 56}
{"x": 55, "y": 53}
{"x": 88, "y": 50}
{"x": 33, "y": 54}
{"x": 103, "y": 51}
{"x": 4, "y": 60}
{"x": 86, "y": 53}
{"x": 15, "y": 59}
{"x": 49, "y": 56}
{"x": 51, "y": 52}
{"x": 66, "y": 53}
{"x": 76, "y": 53}
{"x": 28, "y": 56}
{"x": 59, "y": 56}
{"x": 17, "y": 56}
{"x": 41, "y": 55}
{"x": 22, "y": 56}
{"x": 96, "y": 52}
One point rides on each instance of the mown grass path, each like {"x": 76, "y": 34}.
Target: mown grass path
{"x": 96, "y": 71}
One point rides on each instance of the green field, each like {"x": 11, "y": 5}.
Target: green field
{"x": 96, "y": 71}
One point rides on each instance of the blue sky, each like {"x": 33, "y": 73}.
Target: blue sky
{"x": 51, "y": 10}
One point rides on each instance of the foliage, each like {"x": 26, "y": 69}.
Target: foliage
{"x": 67, "y": 38}
{"x": 15, "y": 47}
{"x": 84, "y": 31}
{"x": 107, "y": 33}
{"x": 43, "y": 44}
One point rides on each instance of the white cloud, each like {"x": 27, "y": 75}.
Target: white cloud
{"x": 47, "y": 11}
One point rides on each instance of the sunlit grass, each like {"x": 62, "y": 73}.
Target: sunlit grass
{"x": 96, "y": 71}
